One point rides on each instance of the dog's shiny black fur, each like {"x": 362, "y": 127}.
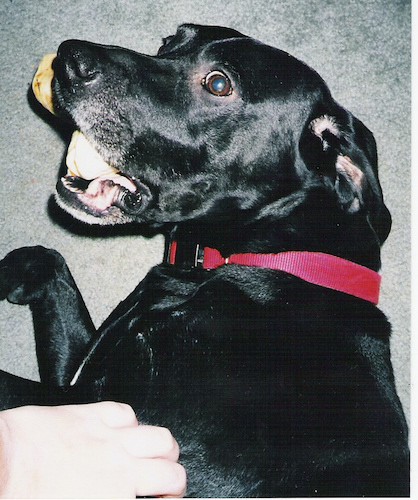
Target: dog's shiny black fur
{"x": 272, "y": 386}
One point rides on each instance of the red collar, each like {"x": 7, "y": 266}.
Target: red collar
{"x": 314, "y": 267}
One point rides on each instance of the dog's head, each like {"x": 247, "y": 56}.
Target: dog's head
{"x": 216, "y": 126}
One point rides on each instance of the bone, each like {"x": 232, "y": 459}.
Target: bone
{"x": 42, "y": 82}
{"x": 84, "y": 161}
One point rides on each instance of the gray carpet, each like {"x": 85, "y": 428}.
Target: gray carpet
{"x": 360, "y": 47}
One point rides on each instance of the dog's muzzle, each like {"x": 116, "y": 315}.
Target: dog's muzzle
{"x": 91, "y": 185}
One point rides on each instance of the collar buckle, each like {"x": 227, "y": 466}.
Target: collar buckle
{"x": 184, "y": 254}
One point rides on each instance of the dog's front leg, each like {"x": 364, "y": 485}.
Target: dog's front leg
{"x": 41, "y": 279}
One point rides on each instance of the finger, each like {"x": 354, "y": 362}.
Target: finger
{"x": 147, "y": 441}
{"x": 112, "y": 414}
{"x": 117, "y": 414}
{"x": 158, "y": 477}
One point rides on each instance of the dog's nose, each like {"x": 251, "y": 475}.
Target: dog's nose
{"x": 79, "y": 60}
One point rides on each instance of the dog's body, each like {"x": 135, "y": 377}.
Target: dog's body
{"x": 272, "y": 385}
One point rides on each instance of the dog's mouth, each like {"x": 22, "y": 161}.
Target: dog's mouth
{"x": 98, "y": 185}
{"x": 92, "y": 188}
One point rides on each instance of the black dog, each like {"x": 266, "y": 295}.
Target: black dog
{"x": 257, "y": 342}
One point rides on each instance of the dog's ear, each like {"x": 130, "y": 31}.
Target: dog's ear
{"x": 341, "y": 150}
{"x": 180, "y": 42}
{"x": 192, "y": 35}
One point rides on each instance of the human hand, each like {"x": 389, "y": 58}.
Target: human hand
{"x": 90, "y": 451}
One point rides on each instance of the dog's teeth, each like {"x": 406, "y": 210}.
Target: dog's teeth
{"x": 84, "y": 161}
{"x": 42, "y": 81}
{"x": 70, "y": 184}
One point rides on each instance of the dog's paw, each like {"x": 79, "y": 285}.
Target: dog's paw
{"x": 26, "y": 272}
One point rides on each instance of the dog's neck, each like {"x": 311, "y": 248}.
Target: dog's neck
{"x": 342, "y": 237}
{"x": 317, "y": 268}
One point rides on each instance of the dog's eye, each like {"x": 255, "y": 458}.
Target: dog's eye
{"x": 217, "y": 84}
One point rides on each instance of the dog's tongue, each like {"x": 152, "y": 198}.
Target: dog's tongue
{"x": 42, "y": 82}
